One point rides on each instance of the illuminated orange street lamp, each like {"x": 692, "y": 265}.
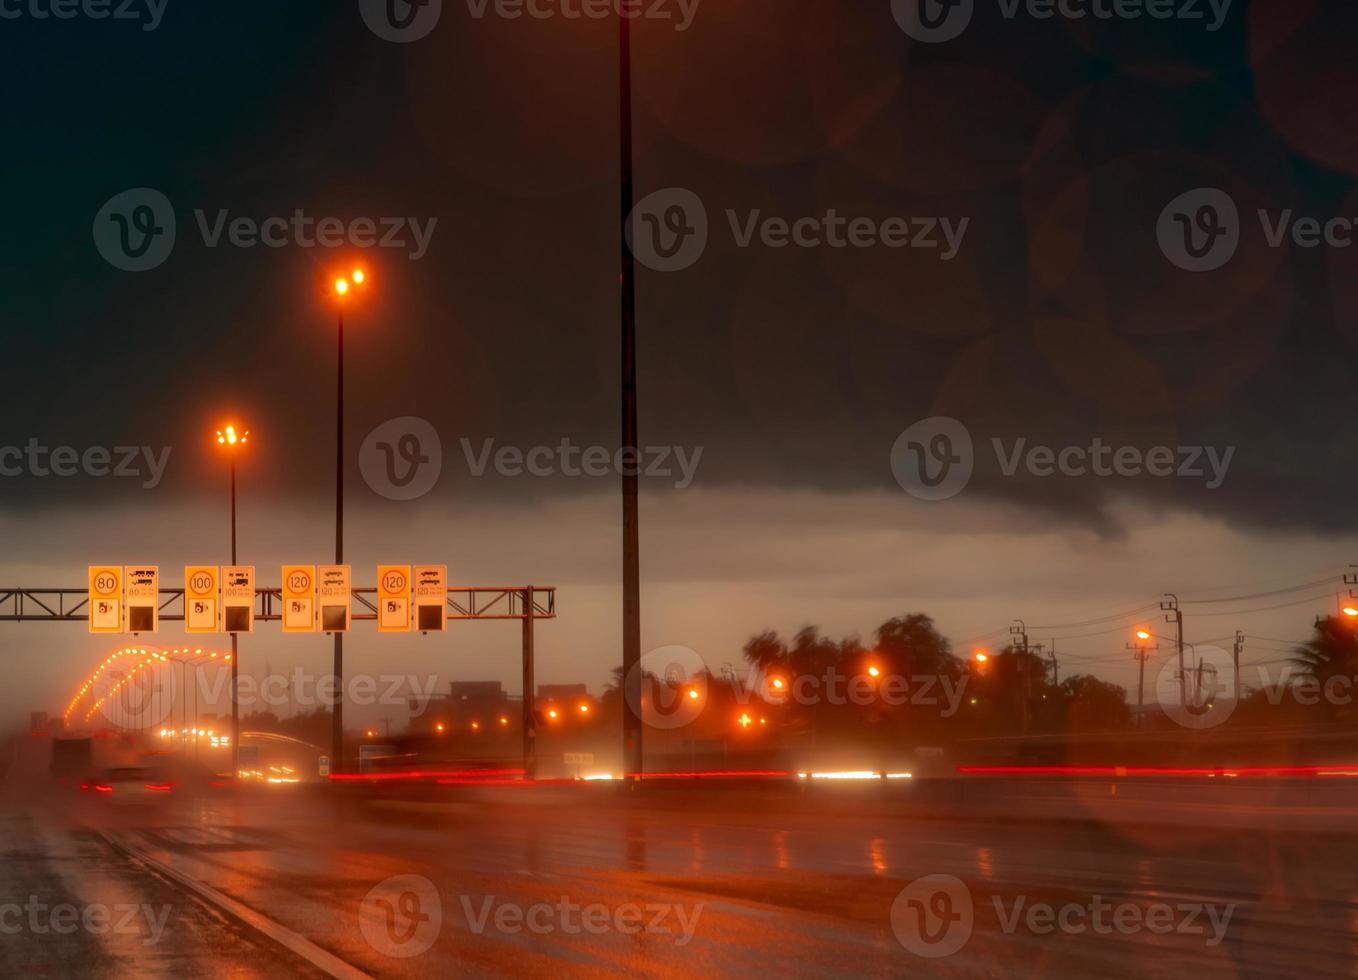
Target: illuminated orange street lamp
{"x": 874, "y": 671}
{"x": 1349, "y": 610}
{"x": 981, "y": 656}
{"x": 231, "y": 439}
{"x": 584, "y": 709}
{"x": 552, "y": 714}
{"x": 343, "y": 286}
{"x": 1143, "y": 635}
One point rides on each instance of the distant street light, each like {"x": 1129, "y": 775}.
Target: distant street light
{"x": 981, "y": 656}
{"x": 342, "y": 288}
{"x": 231, "y": 440}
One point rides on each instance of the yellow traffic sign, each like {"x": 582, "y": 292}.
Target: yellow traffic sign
{"x": 238, "y": 598}
{"x": 142, "y": 593}
{"x": 202, "y": 588}
{"x": 334, "y": 594}
{"x": 393, "y": 598}
{"x": 299, "y": 598}
{"x": 106, "y": 599}
{"x": 431, "y": 598}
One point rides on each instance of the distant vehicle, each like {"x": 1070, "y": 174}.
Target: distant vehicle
{"x": 72, "y": 758}
{"x": 130, "y": 786}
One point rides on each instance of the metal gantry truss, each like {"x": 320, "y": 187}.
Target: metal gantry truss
{"x": 464, "y": 602}
{"x": 526, "y": 603}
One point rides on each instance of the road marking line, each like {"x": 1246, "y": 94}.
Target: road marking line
{"x": 279, "y": 933}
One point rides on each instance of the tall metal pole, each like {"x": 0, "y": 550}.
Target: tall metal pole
{"x": 1025, "y": 690}
{"x": 1177, "y": 618}
{"x": 530, "y": 751}
{"x": 631, "y": 573}
{"x": 235, "y": 651}
{"x": 337, "y": 712}
{"x": 1235, "y": 660}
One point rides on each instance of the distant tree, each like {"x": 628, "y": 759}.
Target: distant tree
{"x": 913, "y": 646}
{"x": 1328, "y": 663}
{"x": 1092, "y": 704}
{"x": 1331, "y": 652}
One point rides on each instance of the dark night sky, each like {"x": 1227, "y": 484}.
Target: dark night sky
{"x": 1059, "y": 320}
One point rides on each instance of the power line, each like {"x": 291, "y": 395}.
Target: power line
{"x": 1261, "y": 595}
{"x": 1281, "y": 605}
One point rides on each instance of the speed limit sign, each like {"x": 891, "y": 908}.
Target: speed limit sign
{"x": 202, "y": 584}
{"x": 299, "y": 598}
{"x": 106, "y": 599}
{"x": 393, "y": 598}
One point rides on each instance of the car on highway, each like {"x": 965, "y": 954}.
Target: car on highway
{"x": 130, "y": 786}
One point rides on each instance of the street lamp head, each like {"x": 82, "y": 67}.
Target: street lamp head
{"x": 1143, "y": 635}
{"x": 231, "y": 436}
{"x": 981, "y": 656}
{"x": 1350, "y": 610}
{"x": 342, "y": 286}
{"x": 358, "y": 276}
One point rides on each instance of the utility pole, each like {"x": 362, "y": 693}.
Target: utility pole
{"x": 1142, "y": 651}
{"x": 632, "y": 758}
{"x": 1020, "y": 630}
{"x": 337, "y": 708}
{"x": 1235, "y": 660}
{"x": 1175, "y": 615}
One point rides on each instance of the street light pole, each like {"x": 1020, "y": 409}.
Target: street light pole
{"x": 231, "y": 439}
{"x": 631, "y": 573}
{"x": 235, "y": 653}
{"x": 337, "y": 711}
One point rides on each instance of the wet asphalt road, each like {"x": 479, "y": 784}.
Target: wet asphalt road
{"x": 592, "y": 882}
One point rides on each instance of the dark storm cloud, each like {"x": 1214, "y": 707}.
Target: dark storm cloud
{"x": 1058, "y": 321}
